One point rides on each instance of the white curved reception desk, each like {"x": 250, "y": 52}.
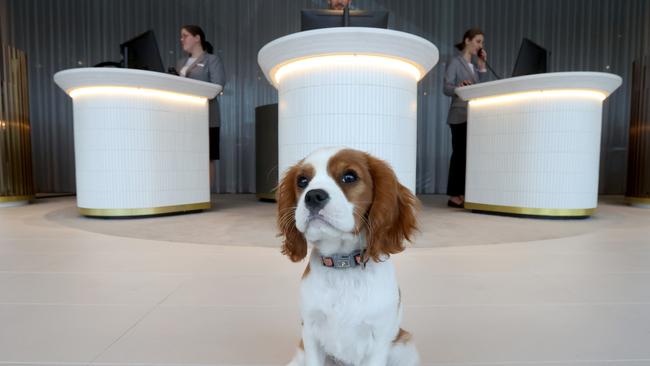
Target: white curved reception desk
{"x": 533, "y": 143}
{"x": 141, "y": 141}
{"x": 353, "y": 87}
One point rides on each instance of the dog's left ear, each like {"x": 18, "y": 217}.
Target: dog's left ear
{"x": 392, "y": 215}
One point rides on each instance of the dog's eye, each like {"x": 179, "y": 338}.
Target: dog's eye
{"x": 349, "y": 177}
{"x": 302, "y": 181}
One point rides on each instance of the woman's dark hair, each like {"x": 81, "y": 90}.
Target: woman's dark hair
{"x": 195, "y": 30}
{"x": 469, "y": 34}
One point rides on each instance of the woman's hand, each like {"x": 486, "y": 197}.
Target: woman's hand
{"x": 482, "y": 58}
{"x": 465, "y": 83}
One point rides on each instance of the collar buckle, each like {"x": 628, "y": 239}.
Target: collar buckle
{"x": 344, "y": 261}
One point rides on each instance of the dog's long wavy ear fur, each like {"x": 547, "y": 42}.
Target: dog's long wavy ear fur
{"x": 293, "y": 245}
{"x": 392, "y": 215}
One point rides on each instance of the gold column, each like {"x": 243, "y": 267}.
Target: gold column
{"x": 16, "y": 180}
{"x": 638, "y": 163}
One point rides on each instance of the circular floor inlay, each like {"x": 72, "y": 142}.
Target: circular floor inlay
{"x": 243, "y": 220}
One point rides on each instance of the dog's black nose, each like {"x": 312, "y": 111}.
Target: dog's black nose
{"x": 316, "y": 199}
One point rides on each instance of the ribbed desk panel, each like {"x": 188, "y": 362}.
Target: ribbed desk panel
{"x": 536, "y": 153}
{"x": 367, "y": 107}
{"x": 140, "y": 152}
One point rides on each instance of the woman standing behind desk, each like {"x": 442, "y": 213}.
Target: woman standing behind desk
{"x": 461, "y": 71}
{"x": 201, "y": 64}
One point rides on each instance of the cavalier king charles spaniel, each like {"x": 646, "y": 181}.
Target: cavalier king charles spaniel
{"x": 351, "y": 209}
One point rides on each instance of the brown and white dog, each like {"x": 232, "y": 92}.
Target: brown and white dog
{"x": 352, "y": 210}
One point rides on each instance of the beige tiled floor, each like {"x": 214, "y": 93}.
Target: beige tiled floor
{"x": 565, "y": 293}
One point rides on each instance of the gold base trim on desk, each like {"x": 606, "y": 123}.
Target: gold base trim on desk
{"x": 266, "y": 196}
{"x": 4, "y": 199}
{"x": 117, "y": 212}
{"x": 551, "y": 212}
{"x": 637, "y": 200}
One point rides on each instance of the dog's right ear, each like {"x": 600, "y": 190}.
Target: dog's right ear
{"x": 294, "y": 244}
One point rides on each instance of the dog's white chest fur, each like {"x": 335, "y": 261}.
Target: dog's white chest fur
{"x": 351, "y": 311}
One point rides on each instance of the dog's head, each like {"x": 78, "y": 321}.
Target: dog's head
{"x": 341, "y": 192}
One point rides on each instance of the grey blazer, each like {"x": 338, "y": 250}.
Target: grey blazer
{"x": 457, "y": 70}
{"x": 207, "y": 67}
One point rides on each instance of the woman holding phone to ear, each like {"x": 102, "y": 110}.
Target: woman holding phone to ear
{"x": 461, "y": 71}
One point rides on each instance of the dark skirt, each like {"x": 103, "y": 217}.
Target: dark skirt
{"x": 456, "y": 182}
{"x": 214, "y": 143}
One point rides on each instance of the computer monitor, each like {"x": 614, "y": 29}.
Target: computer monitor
{"x": 322, "y": 18}
{"x": 142, "y": 53}
{"x": 531, "y": 59}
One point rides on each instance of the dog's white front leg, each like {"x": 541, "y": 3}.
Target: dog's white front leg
{"x": 378, "y": 356}
{"x": 314, "y": 354}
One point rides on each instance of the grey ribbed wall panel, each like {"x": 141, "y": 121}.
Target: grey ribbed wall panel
{"x": 595, "y": 35}
{"x": 4, "y": 23}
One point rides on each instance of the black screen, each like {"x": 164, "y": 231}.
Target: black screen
{"x": 320, "y": 18}
{"x": 531, "y": 59}
{"x": 142, "y": 53}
